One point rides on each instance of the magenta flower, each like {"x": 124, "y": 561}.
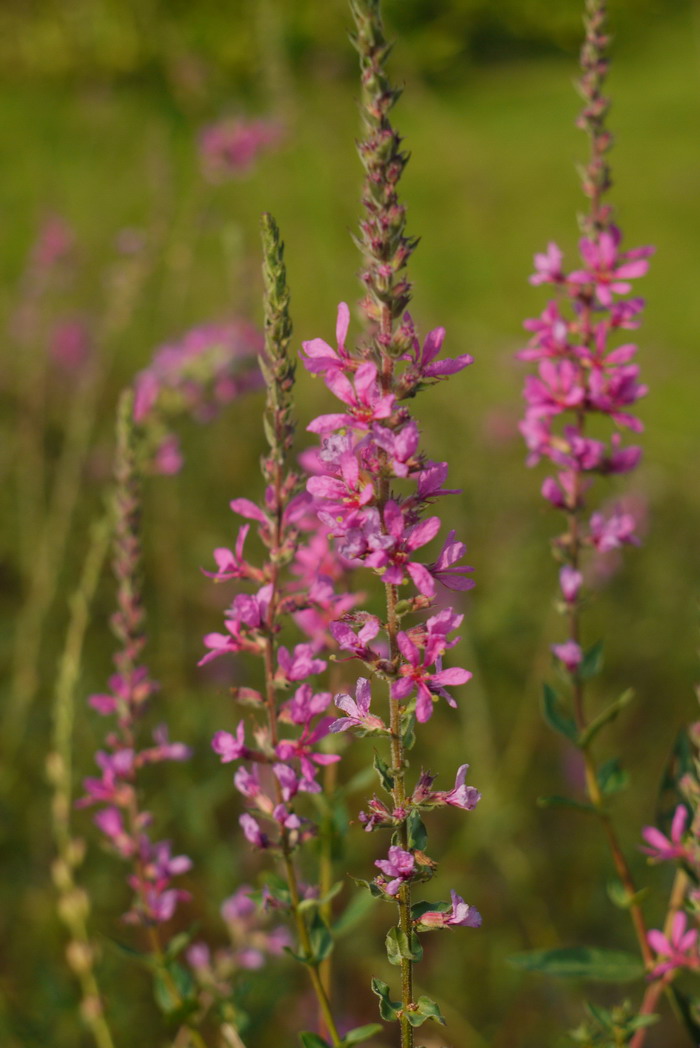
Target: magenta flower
{"x": 569, "y": 654}
{"x": 459, "y": 914}
{"x": 320, "y": 357}
{"x": 399, "y": 866}
{"x": 663, "y": 848}
{"x": 548, "y": 266}
{"x": 414, "y": 672}
{"x": 357, "y": 710}
{"x": 229, "y": 148}
{"x": 252, "y": 832}
{"x": 570, "y": 583}
{"x": 608, "y": 270}
{"x": 365, "y": 400}
{"x": 230, "y": 747}
{"x": 678, "y": 951}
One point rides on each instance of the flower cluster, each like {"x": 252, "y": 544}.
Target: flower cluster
{"x": 121, "y": 818}
{"x": 677, "y": 946}
{"x": 283, "y": 749}
{"x": 586, "y": 373}
{"x": 209, "y": 367}
{"x": 229, "y": 148}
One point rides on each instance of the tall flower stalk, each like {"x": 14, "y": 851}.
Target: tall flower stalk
{"x": 117, "y": 792}
{"x": 369, "y": 455}
{"x": 587, "y": 382}
{"x": 294, "y": 581}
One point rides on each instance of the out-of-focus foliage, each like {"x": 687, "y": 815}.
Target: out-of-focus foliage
{"x": 112, "y": 38}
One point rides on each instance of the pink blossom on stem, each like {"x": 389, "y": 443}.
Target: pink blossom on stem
{"x": 677, "y": 951}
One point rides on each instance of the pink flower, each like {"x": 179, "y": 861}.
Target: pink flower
{"x": 664, "y": 848}
{"x": 680, "y": 951}
{"x": 548, "y": 266}
{"x": 357, "y": 712}
{"x": 569, "y": 654}
{"x": 229, "y": 747}
{"x": 458, "y": 915}
{"x": 570, "y": 580}
{"x": 414, "y": 674}
{"x": 229, "y": 148}
{"x": 399, "y": 866}
{"x": 320, "y": 357}
{"x": 365, "y": 400}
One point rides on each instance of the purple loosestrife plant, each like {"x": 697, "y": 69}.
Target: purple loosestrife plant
{"x": 281, "y": 753}
{"x": 117, "y": 792}
{"x": 587, "y": 383}
{"x": 374, "y": 487}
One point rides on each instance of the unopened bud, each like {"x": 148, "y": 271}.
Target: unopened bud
{"x": 79, "y": 957}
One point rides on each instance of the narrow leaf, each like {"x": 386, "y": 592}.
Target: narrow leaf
{"x": 382, "y": 769}
{"x": 592, "y": 662}
{"x": 612, "y": 777}
{"x": 555, "y": 716}
{"x": 312, "y": 1040}
{"x": 606, "y": 716}
{"x": 321, "y": 939}
{"x": 417, "y": 833}
{"x": 361, "y": 1033}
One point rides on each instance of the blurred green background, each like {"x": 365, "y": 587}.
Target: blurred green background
{"x": 101, "y": 102}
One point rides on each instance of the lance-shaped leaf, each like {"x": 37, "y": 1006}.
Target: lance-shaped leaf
{"x": 555, "y": 716}
{"x": 612, "y": 777}
{"x": 382, "y": 769}
{"x": 592, "y": 662}
{"x": 361, "y": 1033}
{"x": 312, "y": 1040}
{"x": 605, "y": 717}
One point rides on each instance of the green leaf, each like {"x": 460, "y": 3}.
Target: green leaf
{"x": 321, "y": 939}
{"x": 374, "y": 889}
{"x": 612, "y": 777}
{"x": 312, "y": 1040}
{"x": 419, "y": 908}
{"x": 606, "y": 716}
{"x": 178, "y": 943}
{"x": 361, "y": 1033}
{"x": 129, "y": 951}
{"x": 382, "y": 769}
{"x": 555, "y": 716}
{"x": 388, "y": 1009}
{"x": 417, "y": 833}
{"x": 565, "y": 802}
{"x": 619, "y": 895}
{"x": 425, "y": 1009}
{"x": 172, "y": 988}
{"x": 408, "y": 730}
{"x": 581, "y": 962}
{"x": 400, "y": 947}
{"x": 302, "y": 958}
{"x": 592, "y": 662}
